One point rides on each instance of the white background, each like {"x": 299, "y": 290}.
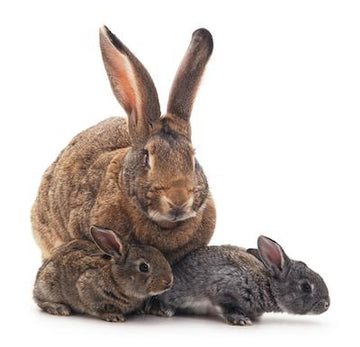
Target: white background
{"x": 276, "y": 127}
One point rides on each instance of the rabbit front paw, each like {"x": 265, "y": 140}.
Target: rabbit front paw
{"x": 158, "y": 308}
{"x": 237, "y": 319}
{"x": 113, "y": 317}
{"x": 163, "y": 311}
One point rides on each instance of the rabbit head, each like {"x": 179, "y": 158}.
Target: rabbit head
{"x": 140, "y": 270}
{"x": 160, "y": 169}
{"x": 296, "y": 288}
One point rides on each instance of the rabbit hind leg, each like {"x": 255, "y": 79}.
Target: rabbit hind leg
{"x": 55, "y": 308}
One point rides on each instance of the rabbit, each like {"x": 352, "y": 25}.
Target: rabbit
{"x": 239, "y": 285}
{"x": 138, "y": 177}
{"x": 103, "y": 278}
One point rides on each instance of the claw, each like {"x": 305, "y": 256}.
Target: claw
{"x": 113, "y": 317}
{"x": 238, "y": 320}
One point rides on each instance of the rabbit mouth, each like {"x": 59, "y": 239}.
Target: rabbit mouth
{"x": 159, "y": 217}
{"x": 320, "y": 306}
{"x": 152, "y": 293}
{"x": 156, "y": 216}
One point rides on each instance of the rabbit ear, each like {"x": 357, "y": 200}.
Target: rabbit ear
{"x": 107, "y": 241}
{"x": 188, "y": 76}
{"x": 254, "y": 252}
{"x": 131, "y": 84}
{"x": 273, "y": 255}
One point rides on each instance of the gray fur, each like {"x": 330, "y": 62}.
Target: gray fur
{"x": 239, "y": 286}
{"x": 82, "y": 277}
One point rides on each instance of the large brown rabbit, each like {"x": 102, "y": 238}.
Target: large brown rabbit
{"x": 138, "y": 177}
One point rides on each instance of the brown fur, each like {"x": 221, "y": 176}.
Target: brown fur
{"x": 104, "y": 281}
{"x": 139, "y": 178}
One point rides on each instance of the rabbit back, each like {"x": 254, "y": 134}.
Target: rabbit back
{"x": 57, "y": 277}
{"x": 212, "y": 278}
{"x": 68, "y": 188}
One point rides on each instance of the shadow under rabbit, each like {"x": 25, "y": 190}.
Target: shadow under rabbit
{"x": 186, "y": 318}
{"x": 262, "y": 321}
{"x": 285, "y": 320}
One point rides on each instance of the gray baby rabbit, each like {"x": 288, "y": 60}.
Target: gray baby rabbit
{"x": 101, "y": 279}
{"x": 240, "y": 285}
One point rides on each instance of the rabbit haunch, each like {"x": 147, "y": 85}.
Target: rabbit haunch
{"x": 240, "y": 285}
{"x": 138, "y": 177}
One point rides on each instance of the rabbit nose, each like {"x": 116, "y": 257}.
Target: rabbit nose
{"x": 326, "y": 304}
{"x": 321, "y": 306}
{"x": 167, "y": 283}
{"x": 176, "y": 211}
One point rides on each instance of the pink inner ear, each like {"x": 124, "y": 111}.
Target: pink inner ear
{"x": 121, "y": 75}
{"x": 123, "y": 80}
{"x": 272, "y": 252}
{"x": 111, "y": 240}
{"x": 274, "y": 257}
{"x": 107, "y": 240}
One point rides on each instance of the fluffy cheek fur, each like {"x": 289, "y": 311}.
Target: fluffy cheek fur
{"x": 131, "y": 282}
{"x": 157, "y": 286}
{"x": 145, "y": 285}
{"x": 291, "y": 300}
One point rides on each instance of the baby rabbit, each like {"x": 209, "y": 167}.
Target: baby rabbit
{"x": 107, "y": 284}
{"x": 240, "y": 285}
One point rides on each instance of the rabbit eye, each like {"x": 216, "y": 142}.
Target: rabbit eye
{"x": 146, "y": 158}
{"x": 143, "y": 267}
{"x": 306, "y": 287}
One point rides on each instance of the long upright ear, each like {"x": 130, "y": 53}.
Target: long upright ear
{"x": 188, "y": 76}
{"x": 273, "y": 256}
{"x": 107, "y": 241}
{"x": 131, "y": 84}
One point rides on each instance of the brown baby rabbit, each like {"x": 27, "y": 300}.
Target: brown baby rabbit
{"x": 139, "y": 177}
{"x": 102, "y": 279}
